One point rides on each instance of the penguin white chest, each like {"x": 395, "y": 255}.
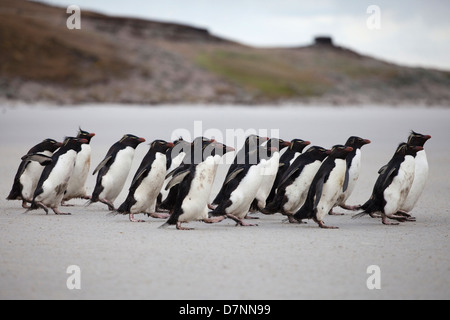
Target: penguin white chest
{"x": 175, "y": 164}
{"x": 420, "y": 179}
{"x": 30, "y": 178}
{"x": 76, "y": 187}
{"x": 57, "y": 181}
{"x": 353, "y": 176}
{"x": 245, "y": 193}
{"x": 296, "y": 193}
{"x": 332, "y": 189}
{"x": 147, "y": 192}
{"x": 195, "y": 204}
{"x": 114, "y": 180}
{"x": 269, "y": 175}
{"x": 395, "y": 194}
{"x": 353, "y": 172}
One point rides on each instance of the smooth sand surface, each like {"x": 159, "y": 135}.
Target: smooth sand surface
{"x": 123, "y": 260}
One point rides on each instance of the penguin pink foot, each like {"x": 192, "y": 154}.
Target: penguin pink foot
{"x": 132, "y": 219}
{"x": 59, "y": 213}
{"x": 406, "y": 215}
{"x": 108, "y": 203}
{"x": 351, "y": 208}
{"x": 332, "y": 213}
{"x": 240, "y": 222}
{"x": 323, "y": 226}
{"x": 64, "y": 204}
{"x": 214, "y": 220}
{"x": 291, "y": 219}
{"x": 179, "y": 227}
{"x": 158, "y": 215}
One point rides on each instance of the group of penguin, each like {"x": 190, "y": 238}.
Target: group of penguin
{"x": 175, "y": 179}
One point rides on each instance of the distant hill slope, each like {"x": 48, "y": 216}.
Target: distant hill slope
{"x": 125, "y": 60}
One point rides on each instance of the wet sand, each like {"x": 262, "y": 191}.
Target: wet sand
{"x": 123, "y": 260}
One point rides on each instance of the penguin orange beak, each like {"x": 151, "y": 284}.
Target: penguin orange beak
{"x": 170, "y": 144}
{"x": 306, "y": 143}
{"x": 91, "y": 134}
{"x": 427, "y": 137}
{"x": 83, "y": 141}
{"x": 366, "y": 141}
{"x": 59, "y": 144}
{"x": 230, "y": 149}
{"x": 418, "y": 148}
{"x": 349, "y": 149}
{"x": 328, "y": 152}
{"x": 141, "y": 140}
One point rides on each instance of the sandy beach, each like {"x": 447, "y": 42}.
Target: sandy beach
{"x": 123, "y": 260}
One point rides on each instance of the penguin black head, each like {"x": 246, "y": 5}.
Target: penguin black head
{"x": 356, "y": 142}
{"x": 197, "y": 150}
{"x": 279, "y": 144}
{"x": 254, "y": 139}
{"x": 46, "y": 145}
{"x": 179, "y": 140}
{"x": 318, "y": 153}
{"x": 161, "y": 146}
{"x": 297, "y": 145}
{"x": 340, "y": 152}
{"x": 418, "y": 139}
{"x": 217, "y": 148}
{"x": 180, "y": 146}
{"x": 85, "y": 135}
{"x": 131, "y": 140}
{"x": 73, "y": 143}
{"x": 405, "y": 149}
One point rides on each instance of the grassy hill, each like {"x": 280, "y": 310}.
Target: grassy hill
{"x": 125, "y": 60}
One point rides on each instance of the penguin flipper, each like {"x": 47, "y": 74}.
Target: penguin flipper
{"x": 102, "y": 164}
{"x": 233, "y": 175}
{"x": 318, "y": 194}
{"x": 383, "y": 169}
{"x": 41, "y": 158}
{"x": 346, "y": 181}
{"x": 139, "y": 175}
{"x": 385, "y": 179}
{"x": 178, "y": 178}
{"x": 171, "y": 173}
{"x": 286, "y": 177}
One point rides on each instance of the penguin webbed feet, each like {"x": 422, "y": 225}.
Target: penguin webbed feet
{"x": 240, "y": 222}
{"x": 323, "y": 226}
{"x": 406, "y": 215}
{"x": 291, "y": 219}
{"x": 350, "y": 208}
{"x": 332, "y": 213}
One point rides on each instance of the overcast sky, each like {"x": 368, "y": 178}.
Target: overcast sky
{"x": 412, "y": 32}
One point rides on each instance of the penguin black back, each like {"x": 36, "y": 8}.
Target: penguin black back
{"x": 143, "y": 171}
{"x": 314, "y": 153}
{"x": 386, "y": 175}
{"x": 188, "y": 173}
{"x": 296, "y": 146}
{"x": 252, "y": 142}
{"x": 127, "y": 140}
{"x": 70, "y": 143}
{"x": 418, "y": 139}
{"x": 307, "y": 211}
{"x": 49, "y": 145}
